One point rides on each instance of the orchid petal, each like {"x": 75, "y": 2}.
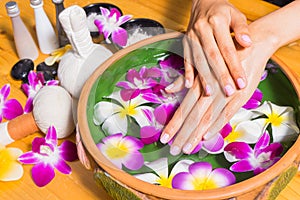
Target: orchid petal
{"x": 226, "y": 130}
{"x": 251, "y": 104}
{"x": 29, "y": 158}
{"x": 263, "y": 142}
{"x": 215, "y": 144}
{"x": 63, "y": 167}
{"x": 11, "y": 109}
{"x": 5, "y": 90}
{"x": 42, "y": 174}
{"x": 240, "y": 150}
{"x": 119, "y": 36}
{"x": 32, "y": 76}
{"x": 51, "y": 136}
{"x": 68, "y": 151}
{"x": 132, "y": 75}
{"x": 153, "y": 98}
{"x": 123, "y": 19}
{"x": 29, "y": 105}
{"x": 26, "y": 88}
{"x": 104, "y": 11}
{"x": 128, "y": 94}
{"x": 36, "y": 144}
{"x": 150, "y": 134}
{"x": 125, "y": 84}
{"x": 116, "y": 12}
{"x": 164, "y": 113}
{"x": 52, "y": 82}
{"x": 242, "y": 166}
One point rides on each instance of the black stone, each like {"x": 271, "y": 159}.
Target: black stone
{"x": 50, "y": 72}
{"x": 21, "y": 69}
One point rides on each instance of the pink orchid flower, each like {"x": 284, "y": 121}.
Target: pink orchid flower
{"x": 263, "y": 156}
{"x": 109, "y": 24}
{"x": 9, "y": 108}
{"x": 35, "y": 82}
{"x": 46, "y": 156}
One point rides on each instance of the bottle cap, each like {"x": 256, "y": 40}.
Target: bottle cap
{"x": 12, "y": 8}
{"x": 57, "y": 1}
{"x": 36, "y": 2}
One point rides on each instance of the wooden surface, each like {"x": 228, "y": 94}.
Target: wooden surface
{"x": 173, "y": 14}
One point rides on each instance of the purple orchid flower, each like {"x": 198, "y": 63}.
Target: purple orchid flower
{"x": 109, "y": 24}
{"x": 263, "y": 156}
{"x": 213, "y": 145}
{"x": 46, "y": 155}
{"x": 9, "y": 108}
{"x": 158, "y": 119}
{"x": 143, "y": 82}
{"x": 171, "y": 68}
{"x": 201, "y": 176}
{"x": 255, "y": 100}
{"x": 36, "y": 82}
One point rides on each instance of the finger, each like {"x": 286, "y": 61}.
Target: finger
{"x": 229, "y": 53}
{"x": 190, "y": 124}
{"x": 240, "y": 28}
{"x": 216, "y": 61}
{"x": 176, "y": 86}
{"x": 181, "y": 113}
{"x": 207, "y": 120}
{"x": 188, "y": 64}
{"x": 200, "y": 63}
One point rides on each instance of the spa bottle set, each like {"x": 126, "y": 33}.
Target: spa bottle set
{"x": 47, "y": 40}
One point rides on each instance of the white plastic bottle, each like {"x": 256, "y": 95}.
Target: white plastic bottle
{"x": 25, "y": 45}
{"x": 45, "y": 32}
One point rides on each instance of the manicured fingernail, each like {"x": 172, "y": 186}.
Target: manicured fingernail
{"x": 170, "y": 87}
{"x": 246, "y": 38}
{"x": 229, "y": 90}
{"x": 208, "y": 135}
{"x": 187, "y": 148}
{"x": 174, "y": 150}
{"x": 187, "y": 83}
{"x": 165, "y": 138}
{"x": 208, "y": 90}
{"x": 241, "y": 83}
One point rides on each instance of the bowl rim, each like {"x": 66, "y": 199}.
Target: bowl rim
{"x": 164, "y": 192}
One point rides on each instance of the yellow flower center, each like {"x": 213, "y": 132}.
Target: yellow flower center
{"x": 204, "y": 184}
{"x": 233, "y": 136}
{"x": 116, "y": 152}
{"x": 165, "y": 181}
{"x": 274, "y": 119}
{"x": 6, "y": 162}
{"x": 130, "y": 110}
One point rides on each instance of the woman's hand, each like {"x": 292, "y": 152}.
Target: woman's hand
{"x": 200, "y": 115}
{"x": 209, "y": 28}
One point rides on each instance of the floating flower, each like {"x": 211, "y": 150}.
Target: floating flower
{"x": 109, "y": 23}
{"x": 35, "y": 82}
{"x": 213, "y": 145}
{"x": 201, "y": 176}
{"x": 157, "y": 119}
{"x": 171, "y": 68}
{"x": 141, "y": 82}
{"x": 10, "y": 168}
{"x": 280, "y": 118}
{"x": 122, "y": 150}
{"x": 46, "y": 155}
{"x": 255, "y": 100}
{"x": 160, "y": 175}
{"x": 241, "y": 128}
{"x": 57, "y": 54}
{"x": 9, "y": 108}
{"x": 258, "y": 159}
{"x": 113, "y": 116}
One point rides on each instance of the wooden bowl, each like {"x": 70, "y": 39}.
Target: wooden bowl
{"x": 124, "y": 186}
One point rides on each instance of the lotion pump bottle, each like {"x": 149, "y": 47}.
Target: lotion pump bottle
{"x": 25, "y": 45}
{"x": 45, "y": 32}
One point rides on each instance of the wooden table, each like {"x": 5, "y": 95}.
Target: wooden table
{"x": 173, "y": 14}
